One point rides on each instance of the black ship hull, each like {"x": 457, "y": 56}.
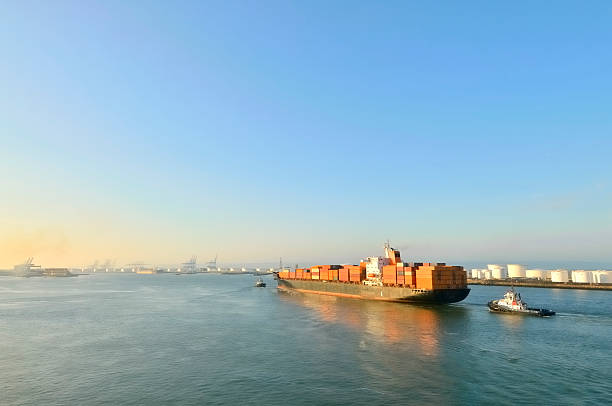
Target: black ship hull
{"x": 383, "y": 293}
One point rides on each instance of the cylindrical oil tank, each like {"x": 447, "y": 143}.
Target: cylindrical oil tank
{"x": 491, "y": 267}
{"x": 602, "y": 277}
{"x": 487, "y": 274}
{"x": 475, "y": 273}
{"x": 596, "y": 276}
{"x": 560, "y": 275}
{"x": 516, "y": 271}
{"x": 535, "y": 274}
{"x": 581, "y": 276}
{"x": 498, "y": 273}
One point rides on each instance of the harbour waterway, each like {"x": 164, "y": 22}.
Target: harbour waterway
{"x": 216, "y": 339}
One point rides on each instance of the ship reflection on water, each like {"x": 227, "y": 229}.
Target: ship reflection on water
{"x": 408, "y": 328}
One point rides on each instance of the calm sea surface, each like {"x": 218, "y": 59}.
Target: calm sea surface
{"x": 215, "y": 339}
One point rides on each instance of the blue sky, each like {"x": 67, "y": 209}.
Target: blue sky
{"x": 462, "y": 131}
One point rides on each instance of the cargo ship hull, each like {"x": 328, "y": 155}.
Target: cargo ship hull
{"x": 384, "y": 293}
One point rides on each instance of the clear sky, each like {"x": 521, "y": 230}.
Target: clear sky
{"x": 313, "y": 130}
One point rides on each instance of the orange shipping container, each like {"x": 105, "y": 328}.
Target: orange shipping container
{"x": 388, "y": 276}
{"x": 410, "y": 278}
{"x": 389, "y": 271}
{"x": 424, "y": 283}
{"x": 357, "y": 276}
{"x": 343, "y": 275}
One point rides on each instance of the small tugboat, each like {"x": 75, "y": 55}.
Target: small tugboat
{"x": 512, "y": 303}
{"x": 260, "y": 283}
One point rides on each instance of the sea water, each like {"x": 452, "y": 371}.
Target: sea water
{"x": 216, "y": 339}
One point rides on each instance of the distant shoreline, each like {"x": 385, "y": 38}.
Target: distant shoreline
{"x": 539, "y": 284}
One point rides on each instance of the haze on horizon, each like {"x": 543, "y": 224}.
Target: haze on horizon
{"x": 314, "y": 131}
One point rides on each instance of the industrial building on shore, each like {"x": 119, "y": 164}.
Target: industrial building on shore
{"x": 518, "y": 272}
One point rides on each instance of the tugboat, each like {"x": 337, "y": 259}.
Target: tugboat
{"x": 512, "y": 303}
{"x": 260, "y": 283}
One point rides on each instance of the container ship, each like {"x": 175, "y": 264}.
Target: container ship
{"x": 381, "y": 278}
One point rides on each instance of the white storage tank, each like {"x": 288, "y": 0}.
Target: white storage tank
{"x": 498, "y": 273}
{"x": 487, "y": 274}
{"x": 536, "y": 274}
{"x": 516, "y": 271}
{"x": 601, "y": 277}
{"x": 491, "y": 267}
{"x": 582, "y": 276}
{"x": 560, "y": 275}
{"x": 475, "y": 273}
{"x": 597, "y": 276}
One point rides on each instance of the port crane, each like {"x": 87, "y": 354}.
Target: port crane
{"x": 212, "y": 263}
{"x": 189, "y": 266}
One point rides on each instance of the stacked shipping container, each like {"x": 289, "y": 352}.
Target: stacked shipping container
{"x": 426, "y": 276}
